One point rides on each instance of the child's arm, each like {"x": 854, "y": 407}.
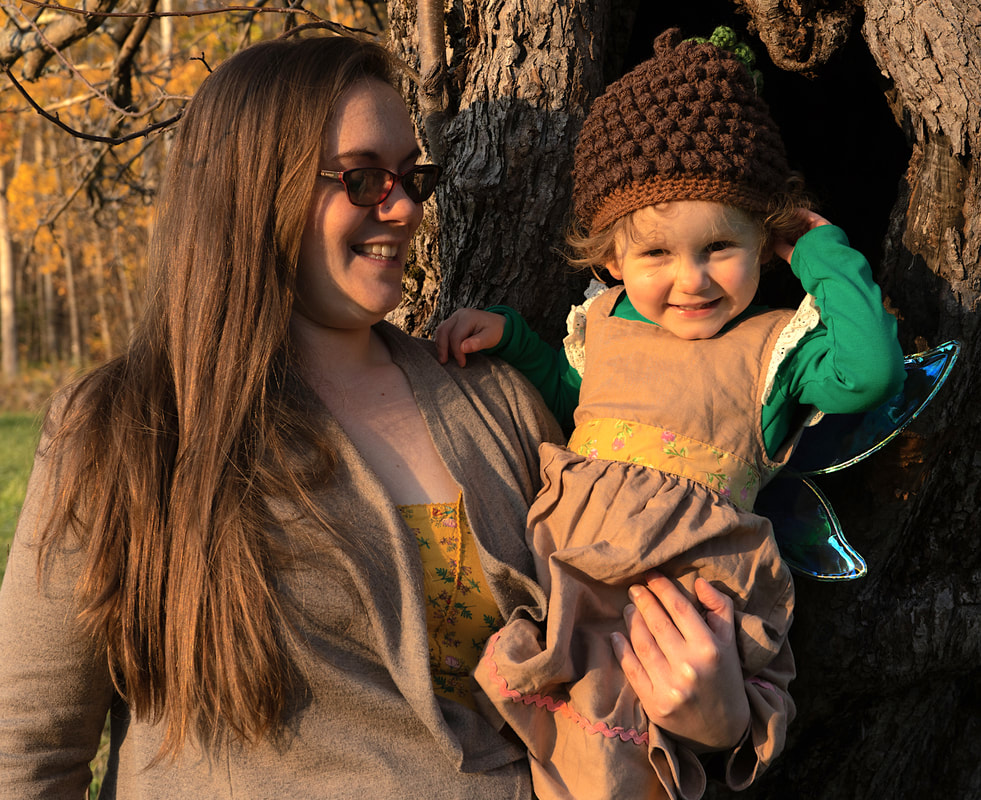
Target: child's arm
{"x": 503, "y": 332}
{"x": 852, "y": 361}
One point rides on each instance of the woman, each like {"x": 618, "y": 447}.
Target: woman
{"x": 212, "y": 547}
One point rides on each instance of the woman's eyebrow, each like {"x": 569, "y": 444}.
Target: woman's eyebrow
{"x": 374, "y": 155}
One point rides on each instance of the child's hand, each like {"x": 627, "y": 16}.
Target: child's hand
{"x": 467, "y": 330}
{"x": 783, "y": 247}
{"x": 684, "y": 665}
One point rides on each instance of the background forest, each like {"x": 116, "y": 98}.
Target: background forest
{"x": 878, "y": 103}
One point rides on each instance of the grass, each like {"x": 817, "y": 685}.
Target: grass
{"x": 18, "y": 438}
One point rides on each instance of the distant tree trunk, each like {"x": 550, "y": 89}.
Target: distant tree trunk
{"x": 71, "y": 298}
{"x": 47, "y": 310}
{"x": 126, "y": 298}
{"x": 105, "y": 329}
{"x": 166, "y": 30}
{"x": 889, "y": 667}
{"x": 63, "y": 234}
{"x": 8, "y": 307}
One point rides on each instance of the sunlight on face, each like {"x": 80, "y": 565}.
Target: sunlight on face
{"x": 352, "y": 257}
{"x": 691, "y": 266}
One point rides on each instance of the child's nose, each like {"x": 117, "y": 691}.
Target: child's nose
{"x": 691, "y": 276}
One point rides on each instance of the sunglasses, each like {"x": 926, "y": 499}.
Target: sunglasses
{"x": 369, "y": 186}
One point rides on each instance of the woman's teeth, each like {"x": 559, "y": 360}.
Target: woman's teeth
{"x": 381, "y": 250}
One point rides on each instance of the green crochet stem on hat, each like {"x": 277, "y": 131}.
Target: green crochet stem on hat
{"x": 725, "y": 38}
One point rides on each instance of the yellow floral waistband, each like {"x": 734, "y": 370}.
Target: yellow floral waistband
{"x": 651, "y": 446}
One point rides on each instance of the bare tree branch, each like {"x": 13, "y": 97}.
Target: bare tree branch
{"x": 56, "y": 51}
{"x": 110, "y": 140}
{"x": 36, "y": 50}
{"x": 120, "y": 85}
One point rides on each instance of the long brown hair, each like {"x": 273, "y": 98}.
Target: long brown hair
{"x": 167, "y": 455}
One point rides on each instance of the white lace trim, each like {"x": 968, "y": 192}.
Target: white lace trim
{"x": 575, "y": 323}
{"x": 805, "y": 320}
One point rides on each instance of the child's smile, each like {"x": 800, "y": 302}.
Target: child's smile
{"x": 691, "y": 266}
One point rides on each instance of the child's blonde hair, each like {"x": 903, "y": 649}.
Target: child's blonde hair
{"x": 593, "y": 251}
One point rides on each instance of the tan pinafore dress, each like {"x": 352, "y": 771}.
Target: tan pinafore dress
{"x": 661, "y": 472}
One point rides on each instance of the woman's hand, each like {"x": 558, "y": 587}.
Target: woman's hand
{"x": 467, "y": 330}
{"x": 784, "y": 248}
{"x": 683, "y": 663}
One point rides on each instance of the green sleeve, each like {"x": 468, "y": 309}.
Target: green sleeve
{"x": 852, "y": 361}
{"x": 547, "y": 368}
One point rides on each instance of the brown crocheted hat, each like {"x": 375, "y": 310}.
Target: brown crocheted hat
{"x": 685, "y": 125}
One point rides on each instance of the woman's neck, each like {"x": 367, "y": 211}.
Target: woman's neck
{"x": 368, "y": 394}
{"x": 338, "y": 356}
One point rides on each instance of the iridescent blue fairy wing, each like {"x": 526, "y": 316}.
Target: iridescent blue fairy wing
{"x": 840, "y": 440}
{"x": 806, "y": 529}
{"x": 804, "y": 524}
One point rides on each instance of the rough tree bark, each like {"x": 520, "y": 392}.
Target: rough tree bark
{"x": 520, "y": 76}
{"x": 889, "y": 666}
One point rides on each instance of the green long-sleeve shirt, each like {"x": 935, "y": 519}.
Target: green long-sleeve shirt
{"x": 850, "y": 362}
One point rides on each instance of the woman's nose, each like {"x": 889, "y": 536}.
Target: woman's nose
{"x": 399, "y": 207}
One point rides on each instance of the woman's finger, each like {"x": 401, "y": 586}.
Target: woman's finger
{"x": 654, "y": 633}
{"x": 719, "y": 615}
{"x": 638, "y": 676}
{"x": 684, "y": 619}
{"x": 645, "y": 667}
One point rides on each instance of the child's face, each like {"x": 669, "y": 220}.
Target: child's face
{"x": 691, "y": 266}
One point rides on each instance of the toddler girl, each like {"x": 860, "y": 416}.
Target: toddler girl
{"x": 689, "y": 399}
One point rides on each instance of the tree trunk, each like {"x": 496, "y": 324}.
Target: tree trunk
{"x": 47, "y": 308}
{"x": 889, "y": 668}
{"x": 71, "y": 298}
{"x": 521, "y": 75}
{"x": 101, "y": 290}
{"x": 8, "y": 308}
{"x": 880, "y": 112}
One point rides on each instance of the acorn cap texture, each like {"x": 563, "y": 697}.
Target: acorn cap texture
{"x": 687, "y": 124}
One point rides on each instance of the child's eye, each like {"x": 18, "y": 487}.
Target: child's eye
{"x": 715, "y": 247}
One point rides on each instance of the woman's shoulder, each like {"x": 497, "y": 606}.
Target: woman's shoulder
{"x": 501, "y": 389}
{"x": 415, "y": 353}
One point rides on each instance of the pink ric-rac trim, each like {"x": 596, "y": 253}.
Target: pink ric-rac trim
{"x": 558, "y": 706}
{"x": 767, "y": 685}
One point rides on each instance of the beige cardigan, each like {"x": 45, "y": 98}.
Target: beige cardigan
{"x": 369, "y": 724}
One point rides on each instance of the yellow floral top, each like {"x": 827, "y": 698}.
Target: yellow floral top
{"x": 461, "y": 613}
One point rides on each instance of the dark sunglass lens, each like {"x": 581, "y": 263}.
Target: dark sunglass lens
{"x": 368, "y": 186}
{"x": 420, "y": 183}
